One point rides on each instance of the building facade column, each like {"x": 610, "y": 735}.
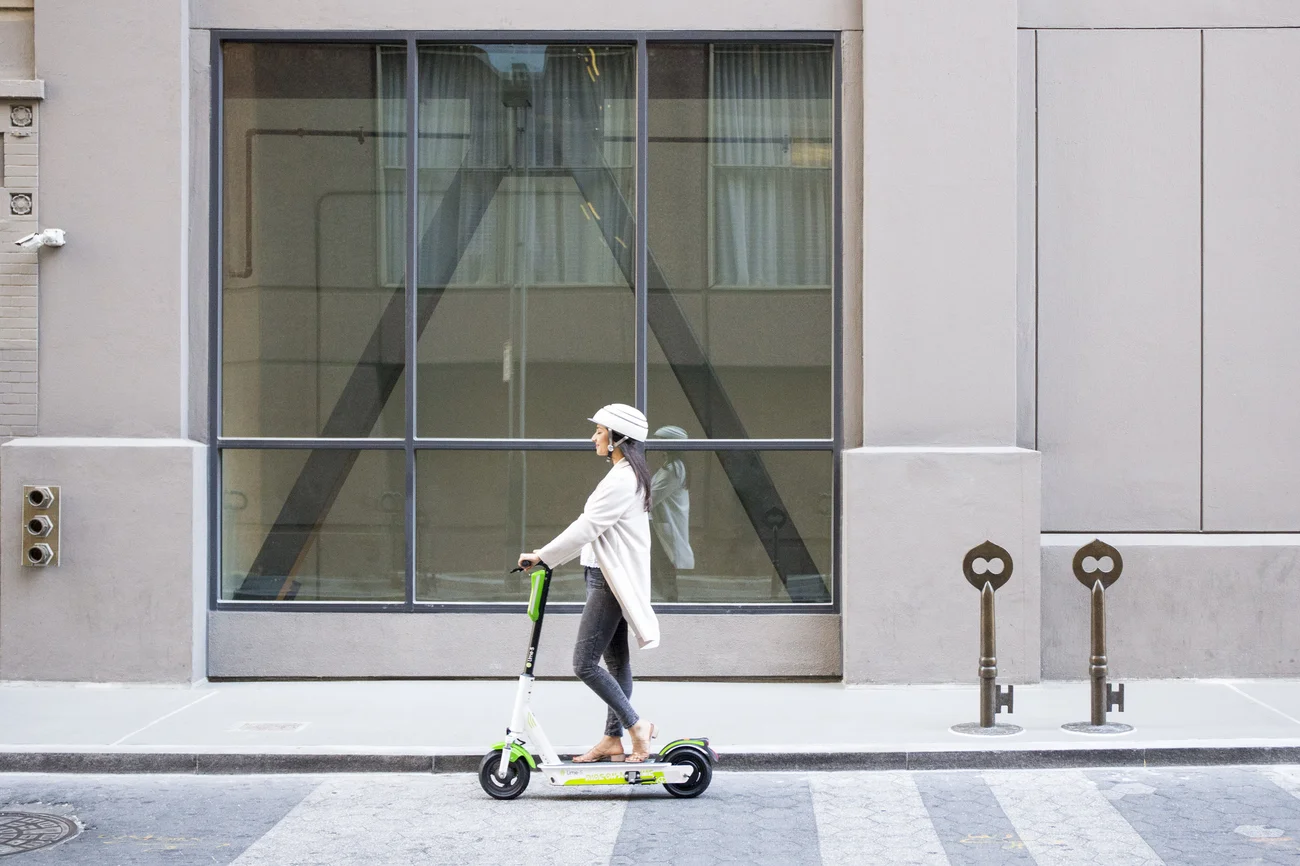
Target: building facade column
{"x": 939, "y": 470}
{"x": 113, "y": 428}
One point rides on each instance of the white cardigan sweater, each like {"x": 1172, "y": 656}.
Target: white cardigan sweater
{"x": 615, "y": 523}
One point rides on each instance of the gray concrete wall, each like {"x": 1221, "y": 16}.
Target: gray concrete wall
{"x": 197, "y": 250}
{"x": 909, "y": 613}
{"x": 1157, "y": 14}
{"x": 252, "y": 644}
{"x": 1027, "y": 239}
{"x": 1185, "y": 606}
{"x": 1161, "y": 391}
{"x": 126, "y": 603}
{"x": 525, "y": 15}
{"x": 1119, "y": 306}
{"x": 939, "y": 472}
{"x": 851, "y": 204}
{"x": 1252, "y": 265}
{"x": 114, "y": 154}
{"x": 939, "y": 305}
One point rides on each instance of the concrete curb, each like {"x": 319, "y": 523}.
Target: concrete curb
{"x": 972, "y": 759}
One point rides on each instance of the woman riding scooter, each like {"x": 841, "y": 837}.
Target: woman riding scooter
{"x": 612, "y": 539}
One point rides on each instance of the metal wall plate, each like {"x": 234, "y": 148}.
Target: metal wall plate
{"x": 40, "y": 531}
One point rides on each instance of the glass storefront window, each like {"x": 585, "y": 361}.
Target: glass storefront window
{"x": 527, "y": 163}
{"x": 741, "y": 236}
{"x": 321, "y": 525}
{"x": 476, "y": 510}
{"x": 722, "y": 533}
{"x": 312, "y": 332}
{"x": 523, "y": 314}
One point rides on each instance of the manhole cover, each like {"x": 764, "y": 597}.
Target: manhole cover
{"x": 28, "y": 831}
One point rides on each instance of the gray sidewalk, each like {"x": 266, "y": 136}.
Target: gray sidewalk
{"x": 446, "y": 725}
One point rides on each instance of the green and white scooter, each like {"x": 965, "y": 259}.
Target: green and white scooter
{"x": 683, "y": 767}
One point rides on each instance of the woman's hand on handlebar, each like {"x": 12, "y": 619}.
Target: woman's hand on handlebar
{"x": 528, "y": 560}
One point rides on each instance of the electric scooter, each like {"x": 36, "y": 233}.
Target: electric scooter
{"x": 683, "y": 767}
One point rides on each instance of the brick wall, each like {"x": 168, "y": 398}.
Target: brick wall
{"x": 19, "y": 206}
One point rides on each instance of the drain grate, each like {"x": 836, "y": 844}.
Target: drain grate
{"x": 272, "y": 727}
{"x": 21, "y": 832}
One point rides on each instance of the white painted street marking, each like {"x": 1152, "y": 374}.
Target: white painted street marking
{"x": 1064, "y": 820}
{"x": 404, "y": 819}
{"x": 1287, "y": 778}
{"x": 874, "y": 819}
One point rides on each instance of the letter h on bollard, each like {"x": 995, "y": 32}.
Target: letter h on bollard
{"x": 988, "y": 567}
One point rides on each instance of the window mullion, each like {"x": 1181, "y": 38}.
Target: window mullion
{"x": 642, "y": 229}
{"x": 412, "y": 289}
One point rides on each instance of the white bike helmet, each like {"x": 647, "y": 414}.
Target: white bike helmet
{"x": 627, "y": 421}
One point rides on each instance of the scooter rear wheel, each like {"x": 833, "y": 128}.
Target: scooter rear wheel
{"x": 512, "y": 785}
{"x": 701, "y": 773}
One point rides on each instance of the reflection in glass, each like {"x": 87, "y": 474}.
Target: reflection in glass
{"x": 312, "y": 308}
{"x": 670, "y": 517}
{"x": 751, "y": 543}
{"x": 526, "y": 248}
{"x": 477, "y": 510}
{"x": 280, "y": 541}
{"x": 741, "y": 238}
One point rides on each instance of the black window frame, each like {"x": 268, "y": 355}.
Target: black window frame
{"x": 411, "y": 443}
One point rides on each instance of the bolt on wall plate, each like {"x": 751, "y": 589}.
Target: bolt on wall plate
{"x": 40, "y": 536}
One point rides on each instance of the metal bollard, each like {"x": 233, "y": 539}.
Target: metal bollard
{"x": 1104, "y": 695}
{"x": 993, "y": 698}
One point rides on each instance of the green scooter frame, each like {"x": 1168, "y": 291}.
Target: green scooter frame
{"x": 683, "y": 767}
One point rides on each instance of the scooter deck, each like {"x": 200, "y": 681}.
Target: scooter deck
{"x": 567, "y": 773}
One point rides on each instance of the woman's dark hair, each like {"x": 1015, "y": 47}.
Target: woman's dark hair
{"x": 634, "y": 454}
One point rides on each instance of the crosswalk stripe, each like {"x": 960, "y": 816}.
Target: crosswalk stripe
{"x": 1063, "y": 819}
{"x": 874, "y": 819}
{"x": 1286, "y": 778}
{"x": 400, "y": 820}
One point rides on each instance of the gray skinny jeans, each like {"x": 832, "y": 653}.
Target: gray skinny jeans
{"x": 603, "y": 632}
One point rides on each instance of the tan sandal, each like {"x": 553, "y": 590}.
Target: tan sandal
{"x": 595, "y": 755}
{"x": 641, "y": 748}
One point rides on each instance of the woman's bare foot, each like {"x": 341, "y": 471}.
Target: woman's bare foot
{"x": 641, "y": 733}
{"x": 608, "y": 747}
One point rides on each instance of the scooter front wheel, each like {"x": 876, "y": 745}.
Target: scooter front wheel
{"x": 512, "y": 785}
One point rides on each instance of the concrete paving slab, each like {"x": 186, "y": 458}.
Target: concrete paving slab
{"x": 442, "y": 725}
{"x": 1282, "y": 696}
{"x": 39, "y": 714}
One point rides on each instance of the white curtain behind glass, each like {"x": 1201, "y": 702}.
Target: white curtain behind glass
{"x": 772, "y": 118}
{"x": 538, "y": 229}
{"x": 392, "y": 161}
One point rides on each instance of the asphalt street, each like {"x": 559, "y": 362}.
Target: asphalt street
{"x": 1107, "y": 817}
